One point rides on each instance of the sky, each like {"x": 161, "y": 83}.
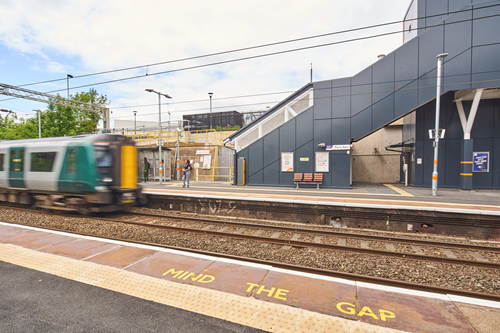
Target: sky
{"x": 46, "y": 40}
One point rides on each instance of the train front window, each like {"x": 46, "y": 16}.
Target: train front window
{"x": 104, "y": 159}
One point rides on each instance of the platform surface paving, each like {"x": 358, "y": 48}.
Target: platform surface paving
{"x": 255, "y": 296}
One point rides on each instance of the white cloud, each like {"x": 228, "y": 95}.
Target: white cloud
{"x": 111, "y": 34}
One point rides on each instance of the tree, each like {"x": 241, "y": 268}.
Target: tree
{"x": 57, "y": 120}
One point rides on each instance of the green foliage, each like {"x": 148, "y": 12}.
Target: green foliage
{"x": 56, "y": 121}
{"x": 227, "y": 128}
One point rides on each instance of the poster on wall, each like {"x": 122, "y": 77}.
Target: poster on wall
{"x": 286, "y": 162}
{"x": 322, "y": 161}
{"x": 207, "y": 161}
{"x": 481, "y": 162}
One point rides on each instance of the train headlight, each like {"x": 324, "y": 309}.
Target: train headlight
{"x": 107, "y": 180}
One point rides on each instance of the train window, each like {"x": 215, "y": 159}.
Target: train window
{"x": 17, "y": 160}
{"x": 1, "y": 162}
{"x": 71, "y": 167}
{"x": 104, "y": 159}
{"x": 42, "y": 162}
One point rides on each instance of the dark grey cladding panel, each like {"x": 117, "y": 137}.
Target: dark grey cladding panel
{"x": 497, "y": 120}
{"x": 483, "y": 179}
{"x": 361, "y": 123}
{"x": 272, "y": 173}
{"x": 485, "y": 31}
{"x": 406, "y": 99}
{"x": 383, "y": 112}
{"x": 340, "y": 169}
{"x": 454, "y": 126}
{"x": 495, "y": 163}
{"x": 427, "y": 88}
{"x": 256, "y": 178}
{"x": 455, "y": 5}
{"x": 453, "y": 70}
{"x": 421, "y": 125}
{"x": 383, "y": 78}
{"x": 307, "y": 151}
{"x": 406, "y": 62}
{"x": 255, "y": 161}
{"x": 287, "y": 136}
{"x": 286, "y": 177}
{"x": 484, "y": 60}
{"x": 361, "y": 91}
{"x": 341, "y": 131}
{"x": 458, "y": 36}
{"x": 484, "y": 123}
{"x": 453, "y": 150}
{"x": 430, "y": 45}
{"x": 322, "y": 133}
{"x": 243, "y": 154}
{"x": 433, "y": 8}
{"x": 322, "y": 100}
{"x": 271, "y": 147}
{"x": 341, "y": 98}
{"x": 304, "y": 127}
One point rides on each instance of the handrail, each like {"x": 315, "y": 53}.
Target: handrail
{"x": 212, "y": 174}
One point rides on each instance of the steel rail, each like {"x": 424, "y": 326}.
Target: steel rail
{"x": 336, "y": 233}
{"x": 312, "y": 270}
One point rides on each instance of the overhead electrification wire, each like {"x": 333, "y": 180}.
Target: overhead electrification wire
{"x": 257, "y": 46}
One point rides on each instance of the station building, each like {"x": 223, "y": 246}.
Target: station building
{"x": 314, "y": 129}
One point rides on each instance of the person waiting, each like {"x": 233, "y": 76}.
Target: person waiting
{"x": 186, "y": 172}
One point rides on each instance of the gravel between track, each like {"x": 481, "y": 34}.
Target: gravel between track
{"x": 437, "y": 274}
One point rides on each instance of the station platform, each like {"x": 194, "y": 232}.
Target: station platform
{"x": 378, "y": 196}
{"x": 251, "y": 297}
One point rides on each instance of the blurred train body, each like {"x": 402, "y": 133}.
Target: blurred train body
{"x": 87, "y": 173}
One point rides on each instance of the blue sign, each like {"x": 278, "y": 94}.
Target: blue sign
{"x": 481, "y": 162}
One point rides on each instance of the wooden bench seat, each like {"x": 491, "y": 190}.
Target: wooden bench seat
{"x": 308, "y": 178}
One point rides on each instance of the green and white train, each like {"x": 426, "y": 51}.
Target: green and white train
{"x": 87, "y": 173}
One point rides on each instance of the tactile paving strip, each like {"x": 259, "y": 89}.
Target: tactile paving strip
{"x": 238, "y": 309}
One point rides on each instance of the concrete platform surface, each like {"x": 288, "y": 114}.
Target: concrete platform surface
{"x": 242, "y": 296}
{"x": 362, "y": 195}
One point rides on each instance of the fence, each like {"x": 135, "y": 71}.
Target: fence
{"x": 150, "y": 138}
{"x": 215, "y": 174}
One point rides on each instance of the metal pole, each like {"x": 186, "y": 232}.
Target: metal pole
{"x": 39, "y": 124}
{"x": 210, "y": 95}
{"x": 436, "y": 134}
{"x": 159, "y": 137}
{"x": 178, "y": 162}
{"x": 68, "y": 76}
{"x": 135, "y": 122}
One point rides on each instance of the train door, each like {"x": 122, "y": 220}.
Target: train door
{"x": 16, "y": 167}
{"x": 77, "y": 173}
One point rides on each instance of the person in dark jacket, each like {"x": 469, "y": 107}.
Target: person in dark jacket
{"x": 145, "y": 169}
{"x": 186, "y": 172}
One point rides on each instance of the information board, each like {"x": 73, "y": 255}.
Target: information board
{"x": 481, "y": 162}
{"x": 322, "y": 161}
{"x": 286, "y": 162}
{"x": 207, "y": 161}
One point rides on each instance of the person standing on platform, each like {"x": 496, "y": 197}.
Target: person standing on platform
{"x": 146, "y": 167}
{"x": 186, "y": 172}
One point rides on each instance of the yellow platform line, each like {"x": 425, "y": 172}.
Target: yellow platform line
{"x": 399, "y": 190}
{"x": 238, "y": 309}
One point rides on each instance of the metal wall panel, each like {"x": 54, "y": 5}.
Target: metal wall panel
{"x": 454, "y": 67}
{"x": 481, "y": 27}
{"x": 304, "y": 127}
{"x": 484, "y": 60}
{"x": 361, "y": 123}
{"x": 406, "y": 99}
{"x": 406, "y": 62}
{"x": 272, "y": 147}
{"x": 434, "y": 8}
{"x": 287, "y": 136}
{"x": 455, "y": 5}
{"x": 427, "y": 88}
{"x": 483, "y": 179}
{"x": 430, "y": 45}
{"x": 361, "y": 91}
{"x": 452, "y": 149}
{"x": 340, "y": 168}
{"x": 256, "y": 178}
{"x": 272, "y": 173}
{"x": 495, "y": 163}
{"x": 484, "y": 123}
{"x": 322, "y": 99}
{"x": 458, "y": 36}
{"x": 383, "y": 112}
{"x": 304, "y": 151}
{"x": 255, "y": 161}
{"x": 322, "y": 133}
{"x": 383, "y": 78}
{"x": 341, "y": 131}
{"x": 341, "y": 98}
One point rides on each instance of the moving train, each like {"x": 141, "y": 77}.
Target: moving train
{"x": 86, "y": 173}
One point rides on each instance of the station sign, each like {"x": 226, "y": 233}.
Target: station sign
{"x": 481, "y": 162}
{"x": 338, "y": 147}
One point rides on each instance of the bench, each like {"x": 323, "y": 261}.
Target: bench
{"x": 308, "y": 178}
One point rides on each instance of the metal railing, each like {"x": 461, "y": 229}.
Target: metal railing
{"x": 214, "y": 174}
{"x": 150, "y": 138}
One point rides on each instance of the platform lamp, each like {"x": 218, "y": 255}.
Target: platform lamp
{"x": 210, "y": 95}
{"x": 39, "y": 123}
{"x": 159, "y": 127}
{"x": 68, "y": 76}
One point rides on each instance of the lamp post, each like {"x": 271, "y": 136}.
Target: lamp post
{"x": 135, "y": 122}
{"x": 440, "y": 58}
{"x": 39, "y": 123}
{"x": 68, "y": 76}
{"x": 210, "y": 95}
{"x": 159, "y": 127}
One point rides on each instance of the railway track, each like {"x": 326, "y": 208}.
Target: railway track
{"x": 447, "y": 252}
{"x": 153, "y": 223}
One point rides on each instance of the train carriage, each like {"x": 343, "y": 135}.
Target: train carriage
{"x": 87, "y": 173}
